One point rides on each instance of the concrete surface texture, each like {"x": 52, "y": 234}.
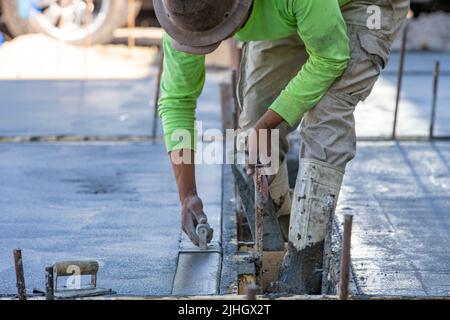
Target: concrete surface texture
{"x": 39, "y": 108}
{"x": 95, "y": 107}
{"x": 114, "y": 202}
{"x": 399, "y": 194}
{"x": 105, "y": 202}
{"x": 117, "y": 202}
{"x": 374, "y": 117}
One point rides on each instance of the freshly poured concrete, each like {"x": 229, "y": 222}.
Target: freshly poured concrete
{"x": 113, "y": 202}
{"x": 400, "y": 196}
{"x": 118, "y": 203}
{"x": 94, "y": 107}
{"x": 419, "y": 61}
{"x": 198, "y": 274}
{"x": 109, "y": 108}
{"x": 374, "y": 117}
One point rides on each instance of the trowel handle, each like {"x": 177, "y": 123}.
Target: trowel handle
{"x": 205, "y": 234}
{"x": 67, "y": 268}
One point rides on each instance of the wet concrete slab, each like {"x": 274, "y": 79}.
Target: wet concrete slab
{"x": 40, "y": 108}
{"x": 198, "y": 274}
{"x": 421, "y": 61}
{"x": 400, "y": 196}
{"x": 374, "y": 117}
{"x": 91, "y": 108}
{"x": 114, "y": 203}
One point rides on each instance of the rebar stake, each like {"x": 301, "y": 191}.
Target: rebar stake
{"x": 401, "y": 69}
{"x": 20, "y": 279}
{"x": 345, "y": 257}
{"x": 260, "y": 203}
{"x": 436, "y": 75}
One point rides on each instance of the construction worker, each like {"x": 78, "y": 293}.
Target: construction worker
{"x": 304, "y": 61}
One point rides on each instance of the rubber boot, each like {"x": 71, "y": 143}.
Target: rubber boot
{"x": 301, "y": 270}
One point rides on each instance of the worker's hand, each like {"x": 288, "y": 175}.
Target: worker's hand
{"x": 191, "y": 215}
{"x": 262, "y": 130}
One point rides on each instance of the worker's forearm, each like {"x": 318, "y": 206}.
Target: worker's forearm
{"x": 184, "y": 173}
{"x": 324, "y": 33}
{"x": 270, "y": 120}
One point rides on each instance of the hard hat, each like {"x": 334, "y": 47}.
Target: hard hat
{"x": 199, "y": 26}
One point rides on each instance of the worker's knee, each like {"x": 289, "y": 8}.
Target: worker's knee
{"x": 328, "y": 131}
{"x": 369, "y": 55}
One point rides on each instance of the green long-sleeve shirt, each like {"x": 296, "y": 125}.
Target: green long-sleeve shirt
{"x": 320, "y": 25}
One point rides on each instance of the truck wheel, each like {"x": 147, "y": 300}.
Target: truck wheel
{"x": 15, "y": 24}
{"x": 70, "y": 20}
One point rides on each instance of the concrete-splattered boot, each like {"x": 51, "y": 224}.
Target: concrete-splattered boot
{"x": 301, "y": 270}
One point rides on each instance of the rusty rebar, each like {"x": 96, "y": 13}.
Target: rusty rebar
{"x": 20, "y": 278}
{"x": 157, "y": 93}
{"x": 401, "y": 69}
{"x": 435, "y": 97}
{"x": 345, "y": 258}
{"x": 259, "y": 210}
{"x": 260, "y": 203}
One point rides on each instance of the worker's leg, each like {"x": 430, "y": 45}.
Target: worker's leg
{"x": 266, "y": 69}
{"x": 328, "y": 143}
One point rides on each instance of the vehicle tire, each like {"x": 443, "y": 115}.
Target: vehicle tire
{"x": 16, "y": 25}
{"x": 108, "y": 15}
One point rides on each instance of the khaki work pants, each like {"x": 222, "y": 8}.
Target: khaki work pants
{"x": 327, "y": 131}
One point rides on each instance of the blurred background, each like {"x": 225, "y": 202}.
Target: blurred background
{"x": 56, "y": 29}
{"x": 78, "y": 39}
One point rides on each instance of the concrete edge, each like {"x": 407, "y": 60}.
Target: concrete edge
{"x": 229, "y": 267}
{"x": 334, "y": 274}
{"x": 198, "y": 273}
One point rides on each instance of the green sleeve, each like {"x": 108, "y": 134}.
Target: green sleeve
{"x": 181, "y": 85}
{"x": 324, "y": 32}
